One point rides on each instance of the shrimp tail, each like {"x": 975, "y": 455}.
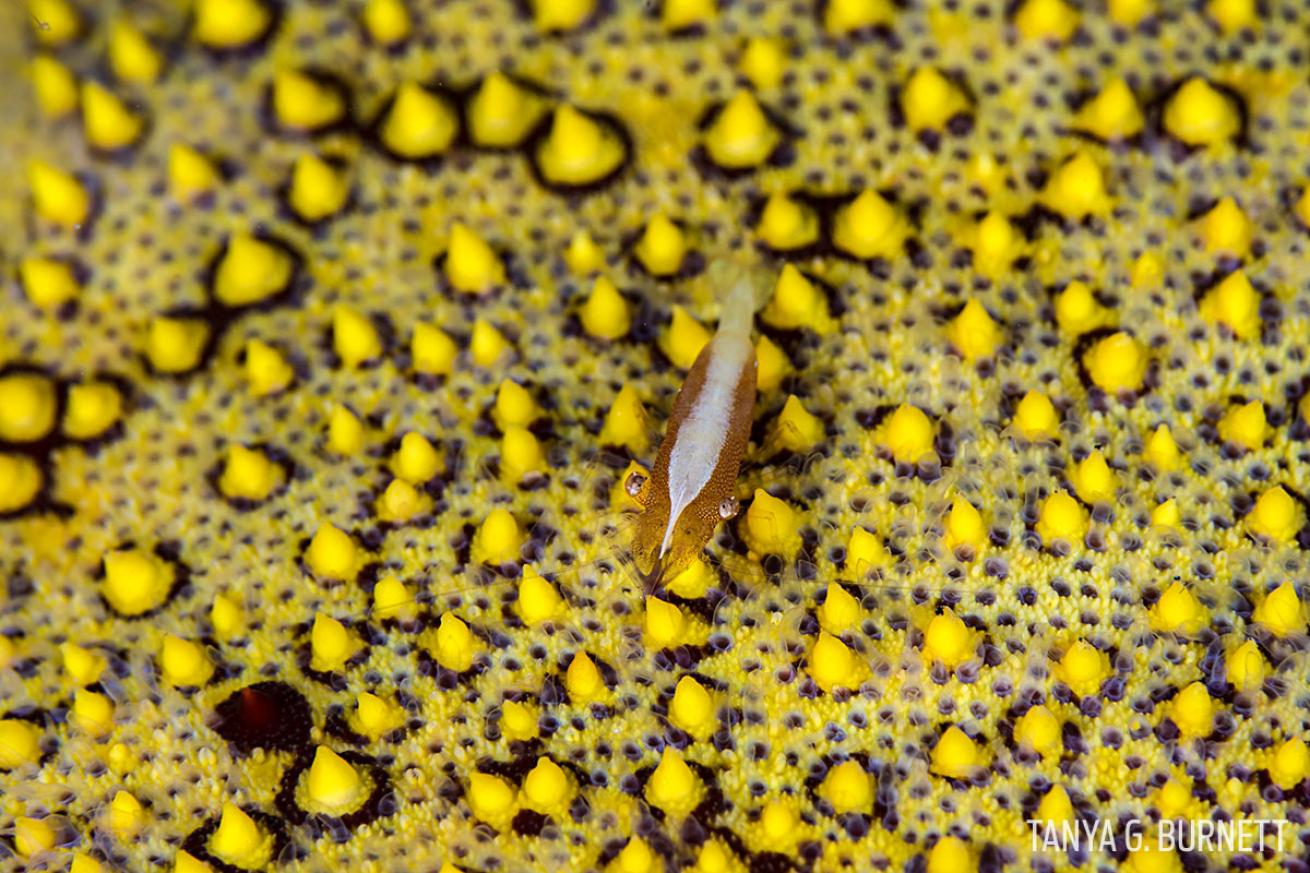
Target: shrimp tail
{"x": 745, "y": 290}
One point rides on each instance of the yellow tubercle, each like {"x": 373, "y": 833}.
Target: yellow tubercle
{"x": 518, "y": 720}
{"x": 870, "y": 227}
{"x": 678, "y": 15}
{"x": 91, "y": 409}
{"x": 847, "y": 788}
{"x": 1281, "y": 612}
{"x": 1235, "y": 304}
{"x": 626, "y": 423}
{"x": 239, "y": 840}
{"x": 605, "y": 314}
{"x": 539, "y": 601}
{"x": 996, "y": 244}
{"x": 267, "y": 371}
{"x": 230, "y": 24}
{"x": 392, "y": 599}
{"x": 1129, "y": 13}
{"x": 1077, "y": 310}
{"x": 786, "y": 224}
{"x": 693, "y": 581}
{"x": 345, "y": 431}
{"x": 692, "y": 708}
{"x": 951, "y": 855}
{"x": 908, "y": 434}
{"x": 331, "y": 644}
{"x": 127, "y": 817}
{"x": 176, "y": 345}
{"x": 514, "y": 406}
{"x": 930, "y": 100}
{"x": 1112, "y": 115}
{"x": 956, "y": 756}
{"x": 487, "y": 345}
{"x": 21, "y": 481}
{"x": 583, "y": 255}
{"x": 54, "y": 85}
{"x": 1061, "y": 518}
{"x": 579, "y": 150}
{"x": 83, "y": 666}
{"x": 1162, "y": 450}
{"x": 491, "y": 799}
{"x": 583, "y": 680}
{"x": 1226, "y": 229}
{"x": 57, "y": 195}
{"x": 797, "y": 303}
{"x": 764, "y": 61}
{"x": 840, "y": 610}
{"x": 1039, "y": 729}
{"x": 318, "y": 189}
{"x": 521, "y": 455}
{"x": 333, "y": 786}
{"x": 54, "y": 22}
{"x": 227, "y": 616}
{"x": 34, "y": 837}
{"x": 472, "y": 266}
{"x": 354, "y": 337}
{"x": 833, "y": 665}
{"x": 1083, "y": 668}
{"x": 772, "y": 366}
{"x": 683, "y": 340}
{"x": 136, "y": 581}
{"x": 741, "y": 135}
{"x": 948, "y": 640}
{"x": 499, "y": 539}
{"x": 1290, "y": 764}
{"x": 1147, "y": 270}
{"x": 673, "y": 787}
{"x": 190, "y": 174}
{"x": 332, "y": 554}
{"x": 1277, "y": 517}
{"x": 416, "y": 461}
{"x": 92, "y": 713}
{"x": 547, "y": 788}
{"x": 1117, "y": 363}
{"x": 1166, "y": 515}
{"x": 1093, "y": 479}
{"x": 184, "y": 663}
{"x": 1245, "y": 667}
{"x": 772, "y": 526}
{"x": 432, "y": 351}
{"x": 964, "y": 527}
{"x": 376, "y": 717}
{"x": 1233, "y": 16}
{"x": 20, "y": 743}
{"x": 844, "y": 17}
{"x": 1053, "y": 20}
{"x": 387, "y": 21}
{"x": 28, "y": 407}
{"x": 131, "y": 56}
{"x": 420, "y": 124}
{"x": 665, "y": 623}
{"x": 1077, "y": 189}
{"x": 1192, "y": 710}
{"x": 1055, "y": 806}
{"x": 303, "y": 102}
{"x": 796, "y": 429}
{"x": 455, "y": 645}
{"x": 1198, "y": 114}
{"x": 1245, "y": 426}
{"x": 1179, "y": 611}
{"x": 662, "y": 247}
{"x": 1036, "y": 418}
{"x": 864, "y": 553}
{"x": 973, "y": 332}
{"x": 249, "y": 474}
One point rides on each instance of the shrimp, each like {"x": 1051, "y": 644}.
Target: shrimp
{"x": 691, "y": 487}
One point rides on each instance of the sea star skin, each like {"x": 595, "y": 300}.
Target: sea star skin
{"x": 304, "y": 372}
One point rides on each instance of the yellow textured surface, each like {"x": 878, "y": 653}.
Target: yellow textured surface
{"x": 1075, "y": 624}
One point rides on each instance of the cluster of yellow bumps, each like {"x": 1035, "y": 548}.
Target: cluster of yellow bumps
{"x": 331, "y": 332}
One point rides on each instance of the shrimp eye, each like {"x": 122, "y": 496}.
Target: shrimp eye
{"x": 728, "y": 508}
{"x": 635, "y": 482}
